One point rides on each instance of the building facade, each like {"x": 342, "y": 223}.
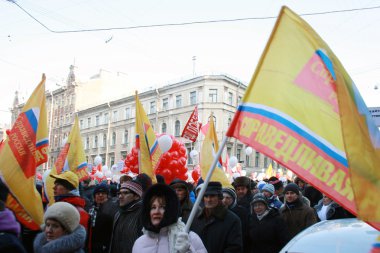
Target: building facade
{"x": 108, "y": 125}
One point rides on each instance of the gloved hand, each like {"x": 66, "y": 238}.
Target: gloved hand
{"x": 182, "y": 244}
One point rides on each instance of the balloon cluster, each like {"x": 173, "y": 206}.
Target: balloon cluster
{"x": 172, "y": 164}
{"x": 100, "y": 172}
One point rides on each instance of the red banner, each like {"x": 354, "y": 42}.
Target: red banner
{"x": 192, "y": 127}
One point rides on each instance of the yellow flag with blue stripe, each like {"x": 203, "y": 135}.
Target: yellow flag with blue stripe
{"x": 210, "y": 147}
{"x": 146, "y": 142}
{"x": 303, "y": 110}
{"x": 25, "y": 148}
{"x": 71, "y": 158}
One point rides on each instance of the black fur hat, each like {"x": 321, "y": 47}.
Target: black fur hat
{"x": 172, "y": 206}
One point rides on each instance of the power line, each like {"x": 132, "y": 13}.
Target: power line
{"x": 184, "y": 23}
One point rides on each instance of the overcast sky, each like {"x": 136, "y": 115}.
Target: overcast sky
{"x": 159, "y": 55}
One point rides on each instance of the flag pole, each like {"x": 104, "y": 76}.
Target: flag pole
{"x": 206, "y": 181}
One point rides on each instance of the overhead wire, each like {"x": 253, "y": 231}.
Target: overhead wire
{"x": 184, "y": 23}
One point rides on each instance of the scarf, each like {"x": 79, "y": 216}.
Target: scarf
{"x": 261, "y": 216}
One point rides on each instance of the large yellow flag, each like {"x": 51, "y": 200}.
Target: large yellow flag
{"x": 209, "y": 149}
{"x": 303, "y": 110}
{"x": 26, "y": 148}
{"x": 270, "y": 172}
{"x": 72, "y": 157}
{"x": 146, "y": 142}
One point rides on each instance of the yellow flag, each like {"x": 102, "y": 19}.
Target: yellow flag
{"x": 209, "y": 149}
{"x": 269, "y": 172}
{"x": 146, "y": 142}
{"x": 72, "y": 157}
{"x": 303, "y": 110}
{"x": 26, "y": 148}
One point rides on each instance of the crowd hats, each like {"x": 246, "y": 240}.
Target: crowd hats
{"x": 101, "y": 188}
{"x": 67, "y": 179}
{"x": 269, "y": 188}
{"x": 66, "y": 214}
{"x": 259, "y": 197}
{"x": 292, "y": 187}
{"x": 242, "y": 181}
{"x": 134, "y": 186}
{"x": 214, "y": 188}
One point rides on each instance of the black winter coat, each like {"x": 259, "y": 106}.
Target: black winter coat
{"x": 243, "y": 214}
{"x": 268, "y": 235}
{"x": 221, "y": 232}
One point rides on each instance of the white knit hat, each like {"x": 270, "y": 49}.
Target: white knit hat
{"x": 64, "y": 213}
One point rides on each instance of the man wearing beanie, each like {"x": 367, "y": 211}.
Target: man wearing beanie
{"x": 267, "y": 230}
{"x": 66, "y": 190}
{"x": 181, "y": 189}
{"x": 242, "y": 187}
{"x": 127, "y": 225}
{"x": 273, "y": 201}
{"x": 218, "y": 227}
{"x": 296, "y": 214}
{"x": 101, "y": 219}
{"x": 61, "y": 230}
{"x": 230, "y": 201}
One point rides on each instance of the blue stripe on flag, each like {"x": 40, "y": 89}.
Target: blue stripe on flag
{"x": 42, "y": 142}
{"x": 82, "y": 165}
{"x": 154, "y": 147}
{"x": 32, "y": 119}
{"x": 285, "y": 122}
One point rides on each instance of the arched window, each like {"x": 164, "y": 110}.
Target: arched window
{"x": 163, "y": 128}
{"x": 113, "y": 141}
{"x": 96, "y": 141}
{"x": 177, "y": 128}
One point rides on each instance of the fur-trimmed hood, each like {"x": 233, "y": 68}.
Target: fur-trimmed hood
{"x": 172, "y": 209}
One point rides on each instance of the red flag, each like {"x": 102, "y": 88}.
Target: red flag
{"x": 192, "y": 127}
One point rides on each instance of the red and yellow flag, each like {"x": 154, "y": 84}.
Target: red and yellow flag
{"x": 24, "y": 149}
{"x": 303, "y": 110}
{"x": 210, "y": 147}
{"x": 72, "y": 157}
{"x": 146, "y": 142}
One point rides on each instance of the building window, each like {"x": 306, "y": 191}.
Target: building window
{"x": 127, "y": 113}
{"x": 106, "y": 118}
{"x": 213, "y": 95}
{"x": 178, "y": 101}
{"x": 165, "y": 104}
{"x": 89, "y": 122}
{"x": 104, "y": 140}
{"x": 257, "y": 156}
{"x": 112, "y": 160}
{"x": 113, "y": 140}
{"x": 177, "y": 128}
{"x": 97, "y": 120}
{"x": 152, "y": 108}
{"x": 239, "y": 100}
{"x": 238, "y": 153}
{"x": 61, "y": 121}
{"x": 163, "y": 128}
{"x": 193, "y": 98}
{"x": 125, "y": 136}
{"x": 87, "y": 142}
{"x": 247, "y": 161}
{"x": 96, "y": 141}
{"x": 229, "y": 121}
{"x": 230, "y": 98}
{"x": 114, "y": 116}
{"x": 265, "y": 162}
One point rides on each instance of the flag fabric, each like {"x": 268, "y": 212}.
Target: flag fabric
{"x": 191, "y": 129}
{"x": 269, "y": 172}
{"x": 204, "y": 128}
{"x": 146, "y": 142}
{"x": 303, "y": 110}
{"x": 209, "y": 149}
{"x": 71, "y": 157}
{"x": 25, "y": 148}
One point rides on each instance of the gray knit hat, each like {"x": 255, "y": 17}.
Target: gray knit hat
{"x": 269, "y": 188}
{"x": 64, "y": 213}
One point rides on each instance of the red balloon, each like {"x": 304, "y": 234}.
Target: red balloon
{"x": 195, "y": 175}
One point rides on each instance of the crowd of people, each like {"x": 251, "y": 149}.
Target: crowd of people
{"x": 135, "y": 215}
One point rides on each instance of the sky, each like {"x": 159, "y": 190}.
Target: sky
{"x": 154, "y": 56}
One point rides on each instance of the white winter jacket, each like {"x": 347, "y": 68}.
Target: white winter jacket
{"x": 151, "y": 242}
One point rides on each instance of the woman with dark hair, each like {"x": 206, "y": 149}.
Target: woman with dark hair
{"x": 163, "y": 229}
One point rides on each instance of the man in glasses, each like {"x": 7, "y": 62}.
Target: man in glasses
{"x": 127, "y": 226}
